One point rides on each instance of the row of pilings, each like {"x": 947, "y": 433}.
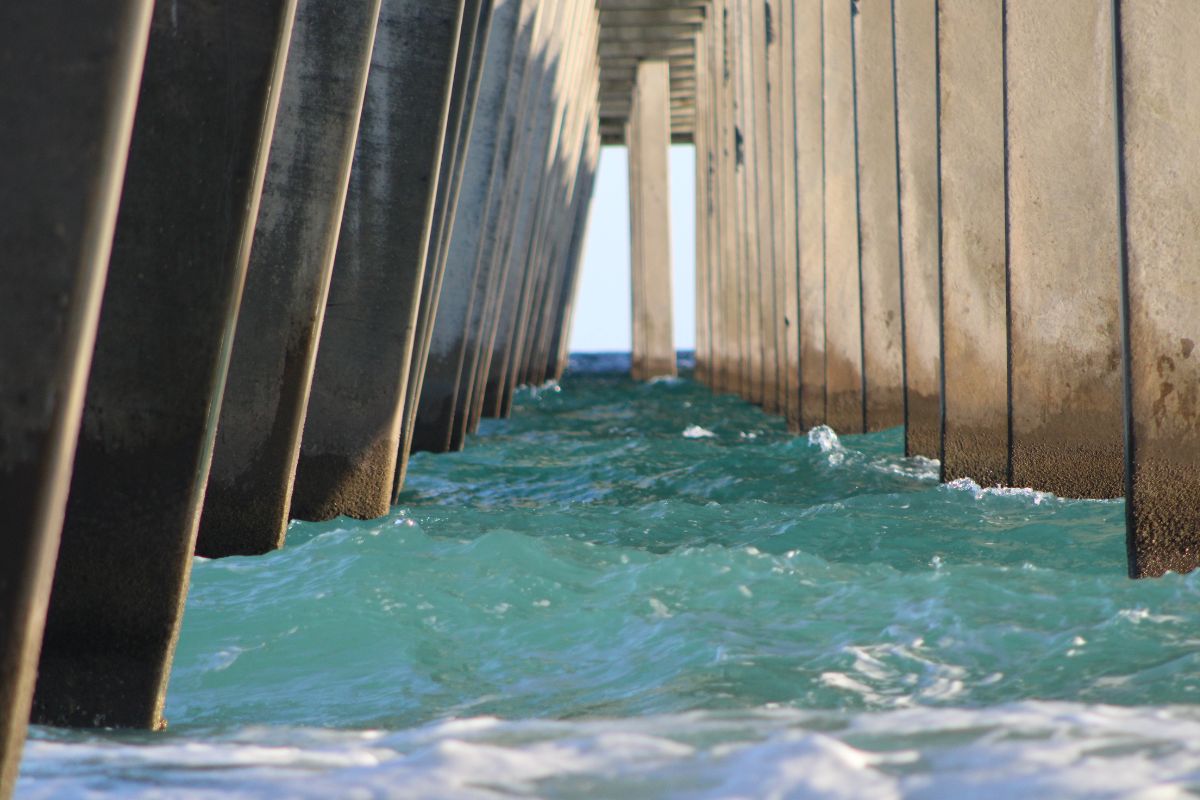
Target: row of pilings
{"x": 256, "y": 253}
{"x": 980, "y": 220}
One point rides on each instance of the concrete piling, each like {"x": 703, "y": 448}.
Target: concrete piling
{"x": 1064, "y": 279}
{"x": 518, "y": 215}
{"x": 554, "y": 188}
{"x": 879, "y": 230}
{"x": 915, "y": 34}
{"x": 650, "y": 223}
{"x": 446, "y": 364}
{"x": 1158, "y": 158}
{"x": 468, "y": 69}
{"x": 844, "y": 391}
{"x": 489, "y": 269}
{"x": 64, "y": 147}
{"x": 178, "y": 262}
{"x": 247, "y": 504}
{"x": 351, "y": 441}
{"x": 974, "y": 242}
{"x": 809, "y": 136}
{"x": 783, "y": 93}
{"x": 762, "y": 51}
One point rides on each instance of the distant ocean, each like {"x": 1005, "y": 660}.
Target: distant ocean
{"x": 648, "y": 591}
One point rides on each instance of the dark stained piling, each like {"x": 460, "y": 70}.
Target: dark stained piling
{"x": 879, "y": 230}
{"x": 845, "y": 411}
{"x": 69, "y": 75}
{"x": 917, "y": 145}
{"x": 247, "y": 504}
{"x": 810, "y": 201}
{"x": 468, "y": 69}
{"x": 489, "y": 270}
{"x": 1064, "y": 279}
{"x": 453, "y": 334}
{"x": 1159, "y": 158}
{"x": 527, "y": 129}
{"x": 521, "y": 213}
{"x": 351, "y": 441}
{"x": 974, "y": 260}
{"x": 211, "y": 83}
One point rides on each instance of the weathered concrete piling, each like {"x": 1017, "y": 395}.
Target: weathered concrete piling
{"x": 445, "y": 364}
{"x": 63, "y": 148}
{"x": 974, "y": 243}
{"x": 969, "y": 245}
{"x": 247, "y": 505}
{"x": 175, "y": 278}
{"x": 351, "y": 442}
{"x": 1064, "y": 274}
{"x": 844, "y": 387}
{"x": 340, "y": 231}
{"x": 1158, "y": 157}
{"x": 463, "y": 93}
{"x": 916, "y": 56}
{"x": 879, "y": 224}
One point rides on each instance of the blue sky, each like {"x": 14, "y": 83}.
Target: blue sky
{"x": 602, "y": 318}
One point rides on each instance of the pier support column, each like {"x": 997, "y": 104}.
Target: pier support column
{"x": 727, "y": 319}
{"x": 763, "y": 50}
{"x": 63, "y": 150}
{"x": 558, "y": 351}
{"x": 1064, "y": 279}
{"x": 567, "y": 191}
{"x": 201, "y": 135}
{"x": 455, "y": 332}
{"x": 807, "y": 63}
{"x": 1160, "y": 161}
{"x": 485, "y": 315}
{"x": 783, "y": 99}
{"x": 649, "y": 141}
{"x": 974, "y": 259}
{"x": 843, "y": 294}
{"x": 352, "y": 431}
{"x": 551, "y": 193}
{"x": 917, "y": 145}
{"x": 749, "y": 292}
{"x": 247, "y": 504}
{"x": 468, "y": 70}
{"x": 518, "y": 217}
{"x": 705, "y": 216}
{"x": 879, "y": 229}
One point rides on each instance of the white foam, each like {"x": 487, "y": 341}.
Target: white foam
{"x": 696, "y": 432}
{"x": 978, "y": 492}
{"x": 1030, "y": 749}
{"x": 824, "y": 437}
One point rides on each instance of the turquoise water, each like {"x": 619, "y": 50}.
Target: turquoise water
{"x": 648, "y": 591}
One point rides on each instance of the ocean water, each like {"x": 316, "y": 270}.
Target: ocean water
{"x": 648, "y": 591}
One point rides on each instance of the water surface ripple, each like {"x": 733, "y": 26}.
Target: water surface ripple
{"x": 648, "y": 591}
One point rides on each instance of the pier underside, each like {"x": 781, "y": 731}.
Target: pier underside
{"x": 258, "y": 254}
